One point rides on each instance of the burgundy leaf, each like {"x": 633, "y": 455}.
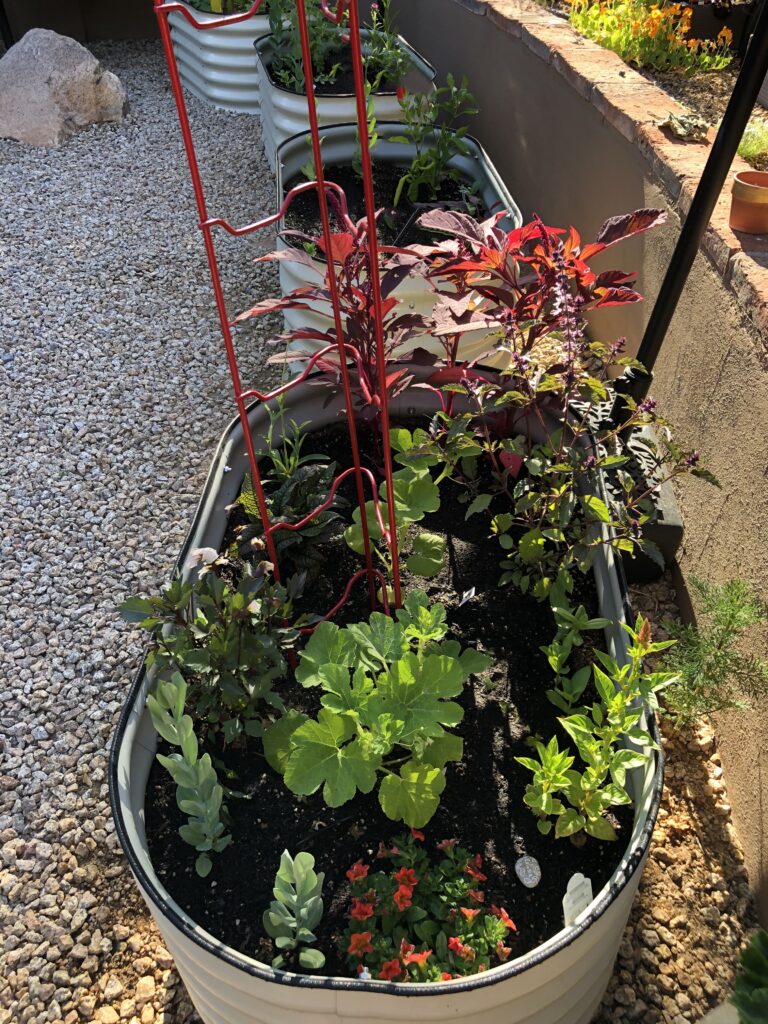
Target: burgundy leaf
{"x": 617, "y": 228}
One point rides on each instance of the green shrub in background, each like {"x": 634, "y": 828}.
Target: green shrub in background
{"x": 714, "y": 674}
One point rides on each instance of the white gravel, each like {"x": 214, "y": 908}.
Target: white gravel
{"x": 113, "y": 390}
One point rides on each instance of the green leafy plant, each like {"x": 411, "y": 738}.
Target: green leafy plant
{"x": 571, "y": 624}
{"x": 754, "y": 144}
{"x": 579, "y": 799}
{"x": 300, "y": 493}
{"x": 198, "y": 792}
{"x": 712, "y": 673}
{"x": 421, "y": 918}
{"x": 371, "y": 130}
{"x": 385, "y": 60}
{"x": 415, "y": 494}
{"x": 750, "y": 990}
{"x": 227, "y": 640}
{"x": 431, "y": 123}
{"x": 221, "y": 6}
{"x": 326, "y": 44}
{"x": 386, "y": 712}
{"x": 296, "y": 910}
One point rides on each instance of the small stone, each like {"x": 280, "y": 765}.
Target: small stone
{"x": 528, "y": 871}
{"x": 113, "y": 989}
{"x": 107, "y": 1015}
{"x": 145, "y": 990}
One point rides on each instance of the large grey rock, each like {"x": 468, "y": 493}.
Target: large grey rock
{"x": 51, "y": 86}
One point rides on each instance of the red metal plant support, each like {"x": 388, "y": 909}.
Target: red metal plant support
{"x": 377, "y": 584}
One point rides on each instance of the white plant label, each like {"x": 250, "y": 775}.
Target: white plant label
{"x": 577, "y": 898}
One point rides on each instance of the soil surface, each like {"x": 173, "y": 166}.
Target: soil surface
{"x": 481, "y": 806}
{"x": 397, "y": 224}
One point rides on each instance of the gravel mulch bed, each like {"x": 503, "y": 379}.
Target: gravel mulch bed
{"x": 114, "y": 391}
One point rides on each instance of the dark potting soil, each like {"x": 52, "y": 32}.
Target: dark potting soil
{"x": 397, "y": 225}
{"x": 482, "y": 803}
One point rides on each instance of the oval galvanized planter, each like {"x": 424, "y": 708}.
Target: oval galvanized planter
{"x": 339, "y": 146}
{"x": 284, "y": 113}
{"x": 560, "y": 982}
{"x": 217, "y": 64}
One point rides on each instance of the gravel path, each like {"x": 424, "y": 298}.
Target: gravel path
{"x": 114, "y": 390}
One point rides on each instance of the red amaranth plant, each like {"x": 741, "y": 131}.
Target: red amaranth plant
{"x": 350, "y": 279}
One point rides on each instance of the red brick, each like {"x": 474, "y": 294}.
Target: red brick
{"x": 628, "y": 105}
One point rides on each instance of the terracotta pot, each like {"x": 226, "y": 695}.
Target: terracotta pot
{"x": 749, "y": 202}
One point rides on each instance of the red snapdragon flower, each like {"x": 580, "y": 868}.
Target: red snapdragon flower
{"x": 358, "y": 871}
{"x": 418, "y": 834}
{"x": 406, "y": 876}
{"x": 503, "y": 916}
{"x": 406, "y": 948}
{"x": 502, "y": 951}
{"x": 403, "y": 897}
{"x": 390, "y": 969}
{"x": 417, "y": 958}
{"x": 476, "y": 895}
{"x": 360, "y": 944}
{"x": 445, "y": 976}
{"x": 401, "y": 93}
{"x": 470, "y": 914}
{"x": 361, "y": 910}
{"x": 447, "y": 844}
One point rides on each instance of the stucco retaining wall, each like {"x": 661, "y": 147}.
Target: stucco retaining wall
{"x": 574, "y": 133}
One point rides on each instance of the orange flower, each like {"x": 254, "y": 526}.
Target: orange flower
{"x": 724, "y": 36}
{"x": 470, "y": 914}
{"x": 503, "y": 916}
{"x": 417, "y": 958}
{"x": 358, "y": 871}
{"x": 460, "y": 948}
{"x": 446, "y": 844}
{"x": 478, "y": 897}
{"x": 406, "y": 948}
{"x": 403, "y": 897}
{"x": 417, "y": 834}
{"x": 361, "y": 911}
{"x": 445, "y": 976}
{"x": 360, "y": 944}
{"x": 502, "y": 951}
{"x": 406, "y": 876}
{"x": 390, "y": 969}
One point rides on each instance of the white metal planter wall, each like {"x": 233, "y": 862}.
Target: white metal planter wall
{"x": 284, "y": 113}
{"x": 414, "y": 294}
{"x": 559, "y": 982}
{"x": 218, "y": 65}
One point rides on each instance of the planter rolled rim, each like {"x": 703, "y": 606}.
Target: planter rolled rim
{"x": 183, "y": 923}
{"x": 751, "y": 187}
{"x": 345, "y": 131}
{"x": 263, "y": 47}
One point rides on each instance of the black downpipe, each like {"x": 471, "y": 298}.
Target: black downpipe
{"x": 750, "y": 79}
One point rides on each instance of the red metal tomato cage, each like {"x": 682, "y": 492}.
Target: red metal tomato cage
{"x": 377, "y": 583}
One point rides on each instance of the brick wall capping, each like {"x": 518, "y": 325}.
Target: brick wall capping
{"x": 634, "y": 106}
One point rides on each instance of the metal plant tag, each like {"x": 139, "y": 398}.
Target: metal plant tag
{"x": 577, "y": 898}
